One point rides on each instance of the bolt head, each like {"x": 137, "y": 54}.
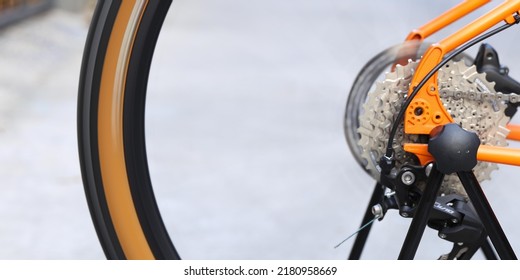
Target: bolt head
{"x": 377, "y": 210}
{"x": 408, "y": 178}
{"x": 442, "y": 235}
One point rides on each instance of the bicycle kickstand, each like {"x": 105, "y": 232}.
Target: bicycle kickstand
{"x": 362, "y": 236}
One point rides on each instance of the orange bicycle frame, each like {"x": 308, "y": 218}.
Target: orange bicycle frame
{"x": 428, "y": 100}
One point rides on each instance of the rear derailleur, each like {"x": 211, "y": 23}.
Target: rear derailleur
{"x": 452, "y": 215}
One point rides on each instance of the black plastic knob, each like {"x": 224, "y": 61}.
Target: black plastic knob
{"x": 454, "y": 148}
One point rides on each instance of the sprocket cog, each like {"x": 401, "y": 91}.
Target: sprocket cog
{"x": 485, "y": 117}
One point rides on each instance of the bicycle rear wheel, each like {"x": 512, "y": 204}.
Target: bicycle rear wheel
{"x": 112, "y": 92}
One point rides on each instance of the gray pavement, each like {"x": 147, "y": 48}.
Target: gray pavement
{"x": 244, "y": 123}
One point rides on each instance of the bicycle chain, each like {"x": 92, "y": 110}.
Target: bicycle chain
{"x": 481, "y": 96}
{"x": 466, "y": 95}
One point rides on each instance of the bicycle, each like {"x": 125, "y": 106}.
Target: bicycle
{"x": 439, "y": 94}
{"x": 112, "y": 147}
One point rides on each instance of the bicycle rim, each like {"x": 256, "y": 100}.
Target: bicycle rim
{"x": 112, "y": 94}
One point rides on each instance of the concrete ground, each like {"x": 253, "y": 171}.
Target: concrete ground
{"x": 244, "y": 119}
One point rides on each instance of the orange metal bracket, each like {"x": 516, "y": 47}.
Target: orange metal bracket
{"x": 487, "y": 153}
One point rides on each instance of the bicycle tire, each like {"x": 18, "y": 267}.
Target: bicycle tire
{"x": 112, "y": 151}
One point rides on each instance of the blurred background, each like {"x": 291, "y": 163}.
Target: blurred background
{"x": 244, "y": 126}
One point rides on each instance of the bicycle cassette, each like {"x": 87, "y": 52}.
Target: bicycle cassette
{"x": 467, "y": 96}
